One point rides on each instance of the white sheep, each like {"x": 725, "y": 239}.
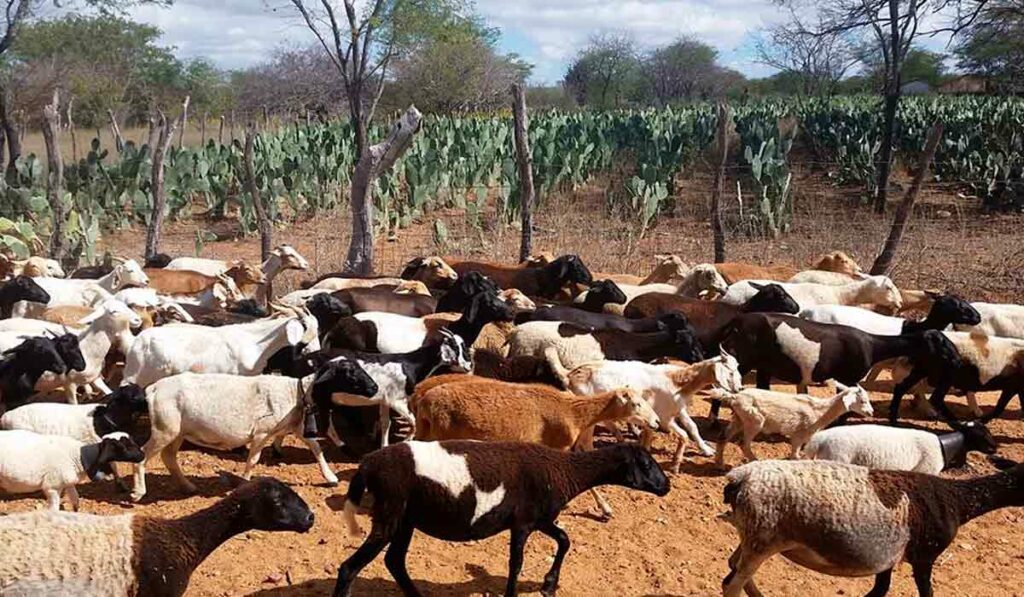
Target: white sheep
{"x": 1004, "y": 320}
{"x": 54, "y": 464}
{"x": 873, "y": 290}
{"x": 87, "y": 293}
{"x": 898, "y": 449}
{"x": 796, "y": 416}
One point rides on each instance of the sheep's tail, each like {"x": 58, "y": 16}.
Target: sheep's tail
{"x": 356, "y": 488}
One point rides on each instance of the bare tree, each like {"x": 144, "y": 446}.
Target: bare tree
{"x": 893, "y": 25}
{"x": 55, "y": 175}
{"x": 818, "y": 61}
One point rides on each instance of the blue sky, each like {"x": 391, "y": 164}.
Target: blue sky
{"x": 547, "y": 33}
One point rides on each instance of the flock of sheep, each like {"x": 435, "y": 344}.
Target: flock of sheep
{"x": 472, "y": 391}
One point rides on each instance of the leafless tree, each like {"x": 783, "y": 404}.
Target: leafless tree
{"x": 818, "y": 61}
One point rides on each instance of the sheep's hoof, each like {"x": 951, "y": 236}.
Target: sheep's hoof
{"x": 136, "y": 496}
{"x": 707, "y": 451}
{"x": 332, "y": 480}
{"x": 548, "y": 589}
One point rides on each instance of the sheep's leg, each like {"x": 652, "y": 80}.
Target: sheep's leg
{"x": 101, "y": 386}
{"x": 747, "y": 564}
{"x": 901, "y": 388}
{"x": 170, "y": 457}
{"x": 385, "y": 424}
{"x": 551, "y": 578}
{"x": 350, "y": 568}
{"x": 972, "y": 402}
{"x": 938, "y": 400}
{"x": 255, "y": 449}
{"x": 154, "y": 446}
{"x": 52, "y": 499}
{"x": 751, "y": 587}
{"x": 325, "y": 470}
{"x": 277, "y": 446}
{"x": 691, "y": 429}
{"x": 71, "y": 392}
{"x": 801, "y": 388}
{"x": 750, "y": 431}
{"x": 402, "y": 408}
{"x": 72, "y": 493}
{"x": 882, "y": 582}
{"x": 923, "y": 578}
{"x": 554, "y": 361}
{"x": 606, "y": 509}
{"x": 730, "y": 433}
{"x": 515, "y": 559}
{"x": 1001, "y": 404}
{"x": 585, "y": 440}
{"x": 764, "y": 379}
{"x": 394, "y": 559}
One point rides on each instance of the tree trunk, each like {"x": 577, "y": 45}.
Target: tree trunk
{"x": 220, "y": 133}
{"x": 13, "y": 141}
{"x": 884, "y": 163}
{"x": 184, "y": 121}
{"x": 373, "y": 162}
{"x": 154, "y": 133}
{"x": 55, "y": 177}
{"x": 524, "y": 159}
{"x": 3, "y": 142}
{"x": 883, "y": 263}
{"x": 262, "y": 219}
{"x": 717, "y": 228}
{"x": 115, "y": 130}
{"x": 71, "y": 131}
{"x": 202, "y": 130}
{"x": 156, "y": 220}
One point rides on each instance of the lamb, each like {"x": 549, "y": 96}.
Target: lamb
{"x": 87, "y": 423}
{"x": 546, "y": 281}
{"x": 20, "y": 289}
{"x": 847, "y": 520}
{"x": 54, "y": 464}
{"x": 897, "y": 449}
{"x": 1003, "y": 320}
{"x": 224, "y": 412}
{"x": 873, "y": 290}
{"x": 796, "y": 416}
{"x": 519, "y": 487}
{"x": 240, "y": 349}
{"x": 23, "y": 365}
{"x": 84, "y": 554}
{"x": 396, "y": 376}
{"x": 37, "y": 267}
{"x": 565, "y": 346}
{"x": 669, "y": 389}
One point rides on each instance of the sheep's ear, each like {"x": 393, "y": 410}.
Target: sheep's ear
{"x": 725, "y": 353}
{"x": 756, "y": 286}
{"x": 840, "y": 387}
{"x": 229, "y": 479}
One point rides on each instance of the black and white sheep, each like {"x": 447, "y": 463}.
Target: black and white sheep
{"x": 897, "y": 449}
{"x": 87, "y": 423}
{"x": 60, "y": 553}
{"x": 54, "y": 464}
{"x": 20, "y": 288}
{"x": 847, "y": 520}
{"x": 23, "y": 365}
{"x": 466, "y": 490}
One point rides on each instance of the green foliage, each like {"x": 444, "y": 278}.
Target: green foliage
{"x": 18, "y": 238}
{"x": 766, "y": 152}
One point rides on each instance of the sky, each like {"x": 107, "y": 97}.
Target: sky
{"x": 546, "y": 33}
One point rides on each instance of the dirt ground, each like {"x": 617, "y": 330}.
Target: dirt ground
{"x": 652, "y": 546}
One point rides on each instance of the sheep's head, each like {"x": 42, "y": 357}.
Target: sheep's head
{"x": 855, "y": 399}
{"x": 114, "y": 447}
{"x": 432, "y": 271}
{"x": 727, "y": 372}
{"x": 40, "y": 354}
{"x": 129, "y": 274}
{"x": 244, "y": 273}
{"x": 290, "y": 258}
{"x": 977, "y": 437}
{"x": 540, "y": 259}
{"x": 345, "y": 376}
{"x": 642, "y": 472}
{"x": 24, "y": 288}
{"x": 632, "y": 405}
{"x": 454, "y": 353}
{"x": 69, "y": 351}
{"x": 570, "y": 269}
{"x": 839, "y": 262}
{"x": 882, "y": 291}
{"x": 412, "y": 287}
{"x": 130, "y": 397}
{"x": 270, "y": 505}
{"x": 949, "y": 309}
{"x": 486, "y": 307}
{"x": 771, "y": 298}
{"x": 704, "y": 280}
{"x": 327, "y": 309}
{"x": 684, "y": 337}
{"x": 601, "y": 293}
{"x": 516, "y": 300}
{"x": 670, "y": 266}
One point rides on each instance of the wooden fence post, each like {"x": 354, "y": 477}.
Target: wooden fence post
{"x": 156, "y": 219}
{"x": 220, "y": 132}
{"x": 524, "y": 160}
{"x": 184, "y": 121}
{"x": 115, "y": 130}
{"x": 202, "y": 129}
{"x": 71, "y": 130}
{"x": 883, "y": 263}
{"x": 55, "y": 177}
{"x": 722, "y": 141}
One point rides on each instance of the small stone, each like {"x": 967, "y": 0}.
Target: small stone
{"x": 943, "y": 214}
{"x": 330, "y": 569}
{"x": 322, "y": 541}
{"x": 965, "y": 546}
{"x": 274, "y": 578}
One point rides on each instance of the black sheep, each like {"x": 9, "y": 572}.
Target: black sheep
{"x": 20, "y": 288}
{"x": 22, "y": 366}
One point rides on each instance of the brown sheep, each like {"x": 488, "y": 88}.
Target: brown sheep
{"x": 482, "y": 410}
{"x": 666, "y": 268}
{"x": 545, "y": 281}
{"x": 836, "y": 261}
{"x": 178, "y": 282}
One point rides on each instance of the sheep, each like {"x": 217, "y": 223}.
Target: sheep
{"x": 896, "y": 449}
{"x": 245, "y": 311}
{"x": 565, "y": 346}
{"x": 711, "y": 318}
{"x": 240, "y": 349}
{"x": 1003, "y": 320}
{"x": 470, "y": 284}
{"x": 847, "y": 520}
{"x": 666, "y": 269}
{"x": 224, "y": 412}
{"x": 702, "y": 280}
{"x": 361, "y": 300}
{"x": 84, "y": 554}
{"x": 835, "y": 268}
{"x": 184, "y": 282}
{"x": 984, "y": 364}
{"x": 593, "y": 321}
{"x": 945, "y": 311}
{"x": 396, "y": 376}
{"x": 23, "y": 365}
{"x": 546, "y": 281}
{"x": 20, "y": 289}
{"x": 514, "y": 486}
{"x": 668, "y": 388}
{"x": 54, "y": 464}
{"x": 38, "y": 267}
{"x": 432, "y": 271}
{"x": 796, "y": 416}
{"x": 87, "y": 423}
{"x": 873, "y": 290}
{"x": 390, "y": 333}
{"x": 92, "y": 292}
{"x": 836, "y": 261}
{"x": 281, "y": 258}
